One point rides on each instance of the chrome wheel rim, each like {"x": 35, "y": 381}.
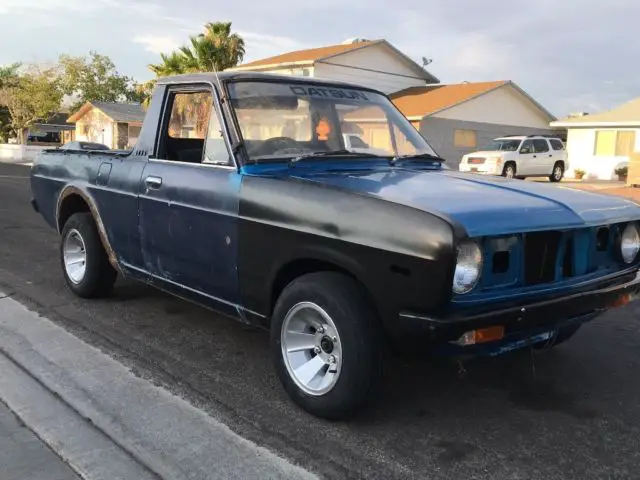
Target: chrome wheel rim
{"x": 311, "y": 348}
{"x": 75, "y": 256}
{"x": 509, "y": 173}
{"x": 557, "y": 173}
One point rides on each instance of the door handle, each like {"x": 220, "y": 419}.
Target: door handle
{"x": 153, "y": 182}
{"x": 535, "y": 156}
{"x": 551, "y": 155}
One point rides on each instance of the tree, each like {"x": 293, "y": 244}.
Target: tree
{"x": 215, "y": 49}
{"x": 8, "y": 78}
{"x": 32, "y": 97}
{"x": 95, "y": 80}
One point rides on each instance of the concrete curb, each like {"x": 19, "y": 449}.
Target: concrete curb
{"x": 90, "y": 409}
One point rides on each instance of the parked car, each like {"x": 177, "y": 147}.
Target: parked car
{"x": 83, "y": 146}
{"x": 519, "y": 157}
{"x": 337, "y": 253}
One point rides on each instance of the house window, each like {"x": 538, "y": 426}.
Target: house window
{"x": 625, "y": 143}
{"x": 465, "y": 138}
{"x": 620, "y": 143}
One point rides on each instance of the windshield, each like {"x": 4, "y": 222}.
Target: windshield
{"x": 502, "y": 146}
{"x": 283, "y": 121}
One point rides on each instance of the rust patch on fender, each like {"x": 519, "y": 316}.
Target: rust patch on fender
{"x": 96, "y": 217}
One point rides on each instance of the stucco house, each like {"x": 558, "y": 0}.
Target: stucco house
{"x": 116, "y": 125}
{"x": 601, "y": 142}
{"x": 463, "y": 117}
{"x": 374, "y": 63}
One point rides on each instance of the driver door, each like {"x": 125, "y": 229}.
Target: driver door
{"x": 188, "y": 201}
{"x": 526, "y": 159}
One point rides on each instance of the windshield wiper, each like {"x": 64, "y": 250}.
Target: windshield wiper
{"x": 417, "y": 156}
{"x": 338, "y": 153}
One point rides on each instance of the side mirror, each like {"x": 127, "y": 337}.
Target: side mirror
{"x": 525, "y": 150}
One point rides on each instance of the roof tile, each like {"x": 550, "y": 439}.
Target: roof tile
{"x": 427, "y": 100}
{"x": 308, "y": 55}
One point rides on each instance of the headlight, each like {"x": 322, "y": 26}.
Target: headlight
{"x": 630, "y": 243}
{"x": 468, "y": 267}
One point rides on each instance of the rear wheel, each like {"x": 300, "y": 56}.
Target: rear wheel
{"x": 325, "y": 344}
{"x": 557, "y": 173}
{"x": 509, "y": 170}
{"x": 85, "y": 264}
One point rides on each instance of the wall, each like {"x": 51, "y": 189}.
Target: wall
{"x": 376, "y": 57}
{"x": 439, "y": 133}
{"x": 297, "y": 71}
{"x": 95, "y": 126}
{"x": 580, "y": 152}
{"x": 11, "y": 153}
{"x": 503, "y": 106}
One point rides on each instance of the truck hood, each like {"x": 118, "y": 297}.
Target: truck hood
{"x": 483, "y": 205}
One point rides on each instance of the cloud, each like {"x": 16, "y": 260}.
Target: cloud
{"x": 157, "y": 44}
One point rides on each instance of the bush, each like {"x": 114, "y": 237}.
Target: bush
{"x": 579, "y": 173}
{"x": 622, "y": 171}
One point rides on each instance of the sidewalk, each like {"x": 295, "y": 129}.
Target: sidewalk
{"x": 25, "y": 456}
{"x": 106, "y": 423}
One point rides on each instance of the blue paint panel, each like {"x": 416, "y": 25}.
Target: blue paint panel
{"x": 189, "y": 227}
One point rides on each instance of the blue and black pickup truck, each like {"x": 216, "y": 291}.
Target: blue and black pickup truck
{"x": 242, "y": 196}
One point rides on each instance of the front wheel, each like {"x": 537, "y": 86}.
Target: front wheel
{"x": 557, "y": 173}
{"x": 509, "y": 171}
{"x": 325, "y": 344}
{"x": 85, "y": 264}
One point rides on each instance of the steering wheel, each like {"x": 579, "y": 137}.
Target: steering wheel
{"x": 283, "y": 145}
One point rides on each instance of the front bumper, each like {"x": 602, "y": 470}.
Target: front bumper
{"x": 528, "y": 319}
{"x": 484, "y": 169}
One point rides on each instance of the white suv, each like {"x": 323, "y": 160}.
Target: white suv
{"x": 519, "y": 157}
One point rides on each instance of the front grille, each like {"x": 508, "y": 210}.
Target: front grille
{"x": 476, "y": 161}
{"x": 541, "y": 257}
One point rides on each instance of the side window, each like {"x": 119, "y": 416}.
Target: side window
{"x": 192, "y": 130}
{"x": 540, "y": 145}
{"x": 527, "y": 147}
{"x": 189, "y": 115}
{"x": 215, "y": 150}
{"x": 556, "y": 144}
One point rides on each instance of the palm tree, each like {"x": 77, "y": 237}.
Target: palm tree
{"x": 229, "y": 46}
{"x": 215, "y": 49}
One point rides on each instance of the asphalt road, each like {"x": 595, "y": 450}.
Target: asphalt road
{"x": 573, "y": 412}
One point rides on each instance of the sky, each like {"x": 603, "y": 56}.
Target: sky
{"x": 571, "y": 55}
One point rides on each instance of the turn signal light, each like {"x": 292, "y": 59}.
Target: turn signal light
{"x": 621, "y": 301}
{"x": 482, "y": 335}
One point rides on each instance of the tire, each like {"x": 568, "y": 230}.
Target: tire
{"x": 563, "y": 335}
{"x": 509, "y": 170}
{"x": 558, "y": 172}
{"x": 355, "y": 345}
{"x": 85, "y": 264}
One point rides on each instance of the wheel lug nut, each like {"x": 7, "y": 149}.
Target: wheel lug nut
{"x": 332, "y": 359}
{"x": 334, "y": 339}
{"x": 317, "y": 349}
{"x": 320, "y": 329}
